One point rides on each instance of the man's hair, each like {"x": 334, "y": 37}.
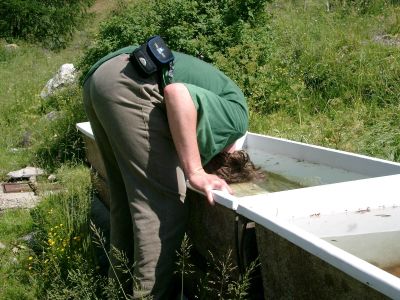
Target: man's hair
{"x": 235, "y": 167}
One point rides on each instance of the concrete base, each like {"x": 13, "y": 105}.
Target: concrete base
{"x": 289, "y": 272}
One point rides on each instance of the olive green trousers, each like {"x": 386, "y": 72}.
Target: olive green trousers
{"x": 147, "y": 185}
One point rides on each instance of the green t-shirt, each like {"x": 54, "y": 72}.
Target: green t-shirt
{"x": 222, "y": 113}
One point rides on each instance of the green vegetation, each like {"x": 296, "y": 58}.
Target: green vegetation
{"x": 321, "y": 72}
{"x": 329, "y": 80}
{"x": 51, "y": 22}
{"x": 14, "y": 257}
{"x": 202, "y": 28}
{"x": 64, "y": 264}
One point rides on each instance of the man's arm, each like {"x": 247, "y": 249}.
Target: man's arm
{"x": 182, "y": 119}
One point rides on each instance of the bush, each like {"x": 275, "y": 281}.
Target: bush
{"x": 199, "y": 28}
{"x": 204, "y": 28}
{"x": 51, "y": 22}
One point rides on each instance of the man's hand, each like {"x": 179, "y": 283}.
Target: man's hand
{"x": 204, "y": 182}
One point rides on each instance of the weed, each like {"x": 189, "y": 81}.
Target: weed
{"x": 218, "y": 283}
{"x": 100, "y": 241}
{"x": 184, "y": 266}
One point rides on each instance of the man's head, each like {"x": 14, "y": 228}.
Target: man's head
{"x": 233, "y": 167}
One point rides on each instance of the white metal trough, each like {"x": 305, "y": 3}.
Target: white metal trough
{"x": 345, "y": 219}
{"x": 349, "y": 216}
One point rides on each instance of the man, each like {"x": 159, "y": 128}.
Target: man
{"x": 155, "y": 130}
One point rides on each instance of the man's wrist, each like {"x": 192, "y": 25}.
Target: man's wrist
{"x": 195, "y": 171}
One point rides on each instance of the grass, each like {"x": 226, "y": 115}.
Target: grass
{"x": 311, "y": 75}
{"x": 14, "y": 257}
{"x": 337, "y": 86}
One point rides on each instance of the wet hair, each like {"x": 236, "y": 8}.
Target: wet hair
{"x": 235, "y": 167}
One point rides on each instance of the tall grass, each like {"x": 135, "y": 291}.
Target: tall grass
{"x": 63, "y": 247}
{"x": 328, "y": 80}
{"x": 14, "y": 257}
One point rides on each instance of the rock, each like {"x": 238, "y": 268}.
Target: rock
{"x": 53, "y": 115}
{"x": 26, "y": 139}
{"x": 30, "y": 239}
{"x": 387, "y": 39}
{"x": 52, "y": 178}
{"x": 26, "y": 173}
{"x": 64, "y": 76}
{"x": 2, "y": 246}
{"x": 11, "y": 47}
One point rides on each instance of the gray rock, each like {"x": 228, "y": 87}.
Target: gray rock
{"x": 52, "y": 178}
{"x": 64, "y": 76}
{"x": 26, "y": 173}
{"x": 53, "y": 115}
{"x": 387, "y": 39}
{"x": 11, "y": 47}
{"x": 2, "y": 246}
{"x": 30, "y": 239}
{"x": 26, "y": 139}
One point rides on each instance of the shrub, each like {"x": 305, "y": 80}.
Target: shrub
{"x": 199, "y": 28}
{"x": 203, "y": 28}
{"x": 51, "y": 22}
